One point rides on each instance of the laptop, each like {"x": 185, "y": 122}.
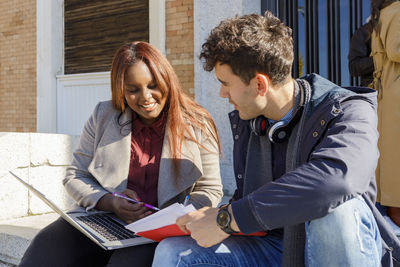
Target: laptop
{"x": 103, "y": 228}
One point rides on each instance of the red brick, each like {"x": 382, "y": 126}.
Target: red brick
{"x": 18, "y": 70}
{"x": 179, "y": 41}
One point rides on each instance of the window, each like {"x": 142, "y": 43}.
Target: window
{"x": 94, "y": 29}
{"x": 322, "y": 31}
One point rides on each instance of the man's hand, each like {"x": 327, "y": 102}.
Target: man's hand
{"x": 202, "y": 226}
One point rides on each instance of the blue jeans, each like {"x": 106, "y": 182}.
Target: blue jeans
{"x": 348, "y": 236}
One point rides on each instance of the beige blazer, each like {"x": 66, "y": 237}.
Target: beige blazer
{"x": 385, "y": 49}
{"x": 101, "y": 163}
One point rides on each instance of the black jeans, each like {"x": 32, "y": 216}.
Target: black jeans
{"x": 60, "y": 244}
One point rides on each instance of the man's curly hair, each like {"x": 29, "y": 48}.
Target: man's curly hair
{"x": 251, "y": 44}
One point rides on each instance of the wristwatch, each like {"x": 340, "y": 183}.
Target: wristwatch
{"x": 224, "y": 219}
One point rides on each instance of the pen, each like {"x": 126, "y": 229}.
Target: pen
{"x": 134, "y": 201}
{"x": 186, "y": 201}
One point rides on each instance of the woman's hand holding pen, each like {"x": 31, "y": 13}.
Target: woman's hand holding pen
{"x": 128, "y": 211}
{"x": 125, "y": 210}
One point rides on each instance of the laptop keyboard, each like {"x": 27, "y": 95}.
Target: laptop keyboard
{"x": 107, "y": 227}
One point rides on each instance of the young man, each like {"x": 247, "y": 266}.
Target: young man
{"x": 305, "y": 152}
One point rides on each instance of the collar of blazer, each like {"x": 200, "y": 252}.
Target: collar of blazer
{"x": 110, "y": 164}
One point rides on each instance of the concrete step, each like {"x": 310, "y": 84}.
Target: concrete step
{"x": 16, "y": 235}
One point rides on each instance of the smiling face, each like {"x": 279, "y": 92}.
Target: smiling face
{"x": 244, "y": 97}
{"x": 143, "y": 94}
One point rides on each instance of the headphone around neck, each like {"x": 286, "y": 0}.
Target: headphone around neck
{"x": 279, "y": 131}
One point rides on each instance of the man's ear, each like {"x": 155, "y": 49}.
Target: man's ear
{"x": 262, "y": 83}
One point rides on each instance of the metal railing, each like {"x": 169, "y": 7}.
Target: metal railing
{"x": 323, "y": 20}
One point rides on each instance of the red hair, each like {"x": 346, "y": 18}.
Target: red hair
{"x": 182, "y": 109}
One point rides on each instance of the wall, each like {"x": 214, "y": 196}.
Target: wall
{"x": 50, "y": 55}
{"x": 18, "y": 65}
{"x": 82, "y": 92}
{"x": 179, "y": 41}
{"x": 183, "y": 19}
{"x": 41, "y": 160}
{"x": 207, "y": 15}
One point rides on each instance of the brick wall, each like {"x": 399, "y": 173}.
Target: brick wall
{"x": 18, "y": 65}
{"x": 179, "y": 41}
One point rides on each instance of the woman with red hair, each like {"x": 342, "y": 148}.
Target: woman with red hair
{"x": 151, "y": 142}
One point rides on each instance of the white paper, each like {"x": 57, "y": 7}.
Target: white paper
{"x": 161, "y": 218}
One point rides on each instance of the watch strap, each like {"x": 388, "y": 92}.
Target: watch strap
{"x": 227, "y": 229}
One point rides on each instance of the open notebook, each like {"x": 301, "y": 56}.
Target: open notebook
{"x": 162, "y": 224}
{"x": 105, "y": 229}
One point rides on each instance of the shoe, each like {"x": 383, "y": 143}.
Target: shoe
{"x": 394, "y": 214}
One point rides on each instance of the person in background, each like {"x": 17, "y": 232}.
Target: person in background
{"x": 385, "y": 46}
{"x": 361, "y": 63}
{"x": 151, "y": 142}
{"x": 305, "y": 152}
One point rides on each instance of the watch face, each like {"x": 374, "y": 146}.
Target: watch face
{"x": 223, "y": 218}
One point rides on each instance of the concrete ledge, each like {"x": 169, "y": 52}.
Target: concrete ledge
{"x": 16, "y": 235}
{"x": 41, "y": 160}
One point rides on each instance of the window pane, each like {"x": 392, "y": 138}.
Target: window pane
{"x": 302, "y": 37}
{"x": 322, "y": 31}
{"x": 95, "y": 29}
{"x": 344, "y": 42}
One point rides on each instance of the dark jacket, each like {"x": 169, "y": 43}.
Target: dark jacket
{"x": 338, "y": 157}
{"x": 360, "y": 62}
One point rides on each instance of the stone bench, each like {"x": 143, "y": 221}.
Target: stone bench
{"x": 41, "y": 160}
